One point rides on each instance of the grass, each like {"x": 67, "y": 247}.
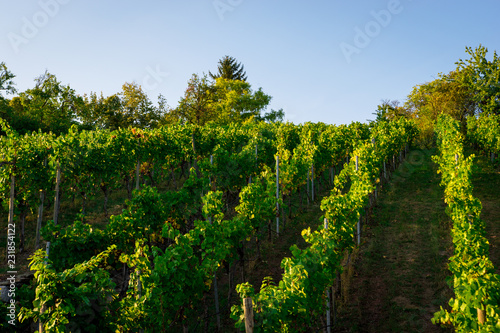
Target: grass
{"x": 400, "y": 271}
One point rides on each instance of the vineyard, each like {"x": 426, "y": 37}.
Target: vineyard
{"x": 173, "y": 252}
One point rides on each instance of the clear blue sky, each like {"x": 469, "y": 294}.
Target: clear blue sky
{"x": 331, "y": 61}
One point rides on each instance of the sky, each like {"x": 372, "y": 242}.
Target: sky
{"x": 321, "y": 61}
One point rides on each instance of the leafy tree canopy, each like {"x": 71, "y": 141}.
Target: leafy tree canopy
{"x": 272, "y": 116}
{"x": 138, "y": 110}
{"x": 130, "y": 107}
{"x": 222, "y": 102}
{"x": 53, "y": 106}
{"x": 389, "y": 111}
{"x": 481, "y": 77}
{"x": 50, "y": 103}
{"x": 445, "y": 95}
{"x": 6, "y": 80}
{"x": 236, "y": 102}
{"x": 195, "y": 106}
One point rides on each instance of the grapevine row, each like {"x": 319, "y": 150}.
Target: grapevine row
{"x": 484, "y": 132}
{"x": 475, "y": 307}
{"x": 295, "y": 302}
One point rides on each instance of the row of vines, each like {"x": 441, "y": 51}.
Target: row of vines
{"x": 476, "y": 286}
{"x": 299, "y": 298}
{"x": 484, "y": 133}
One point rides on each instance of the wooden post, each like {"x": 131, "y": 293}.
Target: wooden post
{"x": 308, "y": 188}
{"x": 328, "y": 297}
{"x": 195, "y": 161}
{"x": 256, "y": 152}
{"x": 57, "y": 199}
{"x": 216, "y": 290}
{"x": 139, "y": 289}
{"x": 39, "y": 221}
{"x": 277, "y": 195}
{"x": 212, "y": 187}
{"x": 40, "y": 324}
{"x": 312, "y": 182}
{"x": 47, "y": 251}
{"x": 248, "y": 311}
{"x": 481, "y": 316}
{"x": 359, "y": 220}
{"x": 137, "y": 174}
{"x": 42, "y": 310}
{"x": 216, "y": 295}
{"x": 359, "y": 231}
{"x": 139, "y": 283}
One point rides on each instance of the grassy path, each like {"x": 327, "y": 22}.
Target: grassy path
{"x": 399, "y": 273}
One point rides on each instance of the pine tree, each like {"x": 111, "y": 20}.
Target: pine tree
{"x": 230, "y": 69}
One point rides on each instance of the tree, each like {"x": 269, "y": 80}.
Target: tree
{"x": 131, "y": 107}
{"x": 389, "y": 111}
{"x": 481, "y": 77}
{"x": 7, "y": 86}
{"x": 195, "y": 106}
{"x": 272, "y": 116}
{"x": 221, "y": 102}
{"x": 19, "y": 120}
{"x": 229, "y": 69}
{"x": 236, "y": 102}
{"x": 51, "y": 104}
{"x": 138, "y": 110}
{"x": 446, "y": 95}
{"x": 101, "y": 112}
{"x": 6, "y": 82}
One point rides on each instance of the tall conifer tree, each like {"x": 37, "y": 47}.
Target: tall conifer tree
{"x": 230, "y": 69}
